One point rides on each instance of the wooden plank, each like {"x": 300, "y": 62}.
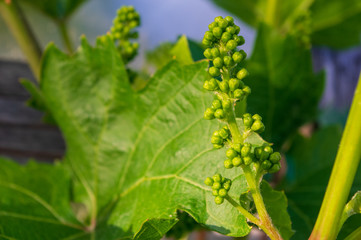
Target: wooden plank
{"x": 16, "y": 112}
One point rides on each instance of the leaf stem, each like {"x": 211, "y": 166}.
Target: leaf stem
{"x": 342, "y": 176}
{"x": 20, "y": 29}
{"x": 355, "y": 235}
{"x": 243, "y": 211}
{"x": 65, "y": 35}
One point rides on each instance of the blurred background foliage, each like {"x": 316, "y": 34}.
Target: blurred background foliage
{"x": 289, "y": 43}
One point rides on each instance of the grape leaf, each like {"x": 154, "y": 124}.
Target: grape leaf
{"x": 281, "y": 91}
{"x": 133, "y": 158}
{"x": 276, "y": 205}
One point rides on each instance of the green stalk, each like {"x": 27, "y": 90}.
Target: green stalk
{"x": 20, "y": 29}
{"x": 65, "y": 35}
{"x": 271, "y": 12}
{"x": 355, "y": 235}
{"x": 342, "y": 176}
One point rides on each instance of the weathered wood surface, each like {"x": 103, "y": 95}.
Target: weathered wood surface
{"x": 23, "y": 135}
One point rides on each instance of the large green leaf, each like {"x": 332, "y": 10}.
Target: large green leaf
{"x": 310, "y": 163}
{"x": 136, "y": 156}
{"x": 285, "y": 92}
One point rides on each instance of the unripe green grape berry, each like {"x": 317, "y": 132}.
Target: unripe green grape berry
{"x": 218, "y": 62}
{"x": 206, "y": 86}
{"x": 219, "y": 113}
{"x": 215, "y": 52}
{"x": 237, "y": 147}
{"x": 258, "y": 152}
{"x": 216, "y": 104}
{"x": 246, "y": 150}
{"x": 206, "y": 42}
{"x": 229, "y": 19}
{"x": 223, "y": 86}
{"x": 208, "y": 181}
{"x": 213, "y": 84}
{"x": 231, "y": 153}
{"x": 237, "y": 161}
{"x": 247, "y": 120}
{"x": 216, "y": 140}
{"x": 237, "y": 29}
{"x": 275, "y": 157}
{"x": 268, "y": 150}
{"x": 266, "y": 165}
{"x": 226, "y": 104}
{"x": 215, "y": 192}
{"x": 216, "y": 134}
{"x": 264, "y": 155}
{"x": 246, "y": 90}
{"x": 228, "y": 61}
{"x": 214, "y": 71}
{"x": 227, "y": 185}
{"x": 217, "y": 177}
{"x": 233, "y": 84}
{"x": 231, "y": 44}
{"x": 244, "y": 54}
{"x": 216, "y": 186}
{"x": 208, "y": 53}
{"x": 222, "y": 192}
{"x": 258, "y": 126}
{"x": 209, "y": 114}
{"x": 231, "y": 30}
{"x": 223, "y": 133}
{"x": 257, "y": 117}
{"x": 223, "y": 24}
{"x": 247, "y": 160}
{"x": 275, "y": 168}
{"x": 217, "y": 32}
{"x": 237, "y": 57}
{"x": 242, "y": 73}
{"x": 209, "y": 36}
{"x": 226, "y": 36}
{"x": 218, "y": 200}
{"x": 239, "y": 40}
{"x": 217, "y": 19}
{"x": 211, "y": 26}
{"x": 238, "y": 93}
{"x": 217, "y": 146}
{"x": 228, "y": 163}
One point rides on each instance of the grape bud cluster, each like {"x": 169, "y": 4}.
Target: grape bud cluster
{"x": 125, "y": 22}
{"x": 220, "y": 187}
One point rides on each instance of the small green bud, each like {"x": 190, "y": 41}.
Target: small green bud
{"x": 246, "y": 150}
{"x": 231, "y": 30}
{"x": 258, "y": 126}
{"x": 223, "y": 23}
{"x": 231, "y": 44}
{"x": 214, "y": 71}
{"x": 247, "y": 120}
{"x": 268, "y": 150}
{"x": 218, "y": 19}
{"x": 237, "y": 147}
{"x": 212, "y": 25}
{"x": 217, "y": 146}
{"x": 228, "y": 61}
{"x": 275, "y": 157}
{"x": 219, "y": 113}
{"x": 224, "y": 86}
{"x": 229, "y": 19}
{"x": 208, "y": 53}
{"x": 242, "y": 73}
{"x": 222, "y": 192}
{"x": 216, "y": 104}
{"x": 216, "y": 140}
{"x": 218, "y": 62}
{"x": 215, "y": 192}
{"x": 233, "y": 84}
{"x": 247, "y": 160}
{"x": 239, "y": 94}
{"x": 209, "y": 36}
{"x": 266, "y": 164}
{"x": 228, "y": 163}
{"x": 244, "y": 54}
{"x": 226, "y": 104}
{"x": 215, "y": 52}
{"x": 257, "y": 117}
{"x": 213, "y": 85}
{"x": 209, "y": 114}
{"x": 231, "y": 153}
{"x": 237, "y": 57}
{"x": 226, "y": 36}
{"x": 208, "y": 181}
{"x": 237, "y": 29}
{"x": 239, "y": 40}
{"x": 246, "y": 90}
{"x": 237, "y": 161}
{"x": 217, "y": 32}
{"x": 275, "y": 168}
{"x": 217, "y": 177}
{"x": 206, "y": 42}
{"x": 227, "y": 185}
{"x": 206, "y": 86}
{"x": 224, "y": 133}
{"x": 258, "y": 152}
{"x": 216, "y": 186}
{"x": 218, "y": 200}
